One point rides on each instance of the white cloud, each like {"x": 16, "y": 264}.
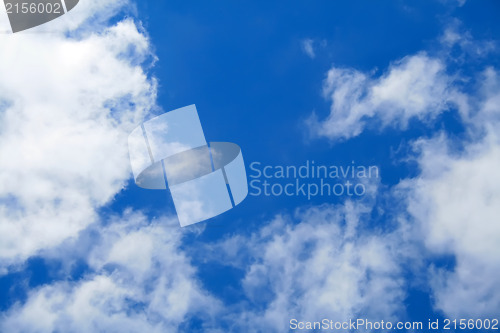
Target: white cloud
{"x": 318, "y": 264}
{"x": 485, "y": 112}
{"x": 308, "y": 47}
{"x": 456, "y": 36}
{"x": 455, "y": 203}
{"x": 416, "y": 86}
{"x": 63, "y": 129}
{"x": 66, "y": 107}
{"x": 68, "y": 100}
{"x": 141, "y": 282}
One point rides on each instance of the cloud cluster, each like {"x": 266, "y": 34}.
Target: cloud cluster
{"x": 69, "y": 109}
{"x": 456, "y": 203}
{"x": 70, "y": 93}
{"x": 457, "y": 214}
{"x": 322, "y": 262}
{"x": 415, "y": 87}
{"x": 66, "y": 107}
{"x": 139, "y": 281}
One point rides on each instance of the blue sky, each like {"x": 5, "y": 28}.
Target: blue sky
{"x": 410, "y": 87}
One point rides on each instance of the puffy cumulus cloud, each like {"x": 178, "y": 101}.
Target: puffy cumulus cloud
{"x": 67, "y": 105}
{"x": 416, "y": 86}
{"x": 484, "y": 114}
{"x": 455, "y": 203}
{"x": 320, "y": 263}
{"x": 140, "y": 281}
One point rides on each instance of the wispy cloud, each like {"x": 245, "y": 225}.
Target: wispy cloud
{"x": 308, "y": 47}
{"x": 319, "y": 263}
